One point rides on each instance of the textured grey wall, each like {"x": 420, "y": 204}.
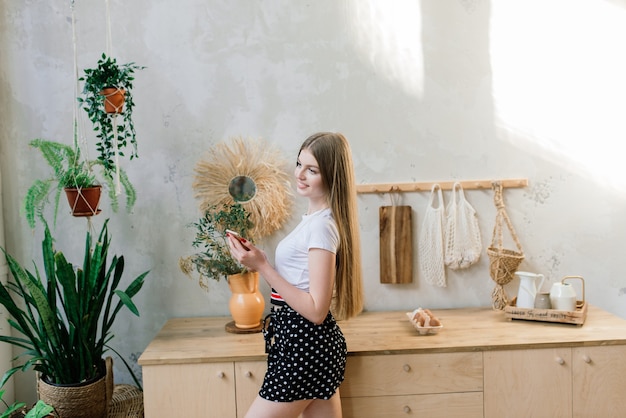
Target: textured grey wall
{"x": 424, "y": 90}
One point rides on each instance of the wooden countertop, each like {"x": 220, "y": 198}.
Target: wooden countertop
{"x": 200, "y": 340}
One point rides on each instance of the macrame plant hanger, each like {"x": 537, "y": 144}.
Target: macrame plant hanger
{"x": 78, "y": 126}
{"x": 113, "y": 116}
{"x": 502, "y": 262}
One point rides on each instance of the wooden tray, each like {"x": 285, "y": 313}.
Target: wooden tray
{"x": 577, "y": 317}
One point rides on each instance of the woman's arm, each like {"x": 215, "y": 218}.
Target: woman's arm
{"x": 312, "y": 305}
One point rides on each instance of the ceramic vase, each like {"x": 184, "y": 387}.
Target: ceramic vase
{"x": 246, "y": 303}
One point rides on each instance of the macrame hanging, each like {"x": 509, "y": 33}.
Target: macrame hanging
{"x": 113, "y": 115}
{"x": 502, "y": 262}
{"x": 83, "y": 202}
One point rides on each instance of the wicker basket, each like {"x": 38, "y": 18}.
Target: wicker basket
{"x": 79, "y": 401}
{"x": 127, "y": 402}
{"x": 503, "y": 264}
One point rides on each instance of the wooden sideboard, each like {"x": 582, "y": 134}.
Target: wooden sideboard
{"x": 479, "y": 365}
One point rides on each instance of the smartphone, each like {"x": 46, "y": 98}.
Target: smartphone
{"x": 241, "y": 240}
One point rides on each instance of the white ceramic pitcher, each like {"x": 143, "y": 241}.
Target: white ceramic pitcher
{"x": 528, "y": 288}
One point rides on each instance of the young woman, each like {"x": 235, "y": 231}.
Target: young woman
{"x": 318, "y": 269}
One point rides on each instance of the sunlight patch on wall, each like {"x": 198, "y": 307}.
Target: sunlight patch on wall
{"x": 559, "y": 79}
{"x": 388, "y": 35}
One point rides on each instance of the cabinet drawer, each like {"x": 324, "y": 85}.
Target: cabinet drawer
{"x": 445, "y": 405}
{"x": 413, "y": 374}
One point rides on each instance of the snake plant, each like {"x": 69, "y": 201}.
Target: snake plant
{"x": 65, "y": 319}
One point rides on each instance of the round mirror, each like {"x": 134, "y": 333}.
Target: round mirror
{"x": 251, "y": 172}
{"x": 242, "y": 189}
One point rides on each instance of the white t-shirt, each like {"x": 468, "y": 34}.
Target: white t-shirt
{"x": 317, "y": 230}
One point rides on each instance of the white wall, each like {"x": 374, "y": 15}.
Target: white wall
{"x": 424, "y": 90}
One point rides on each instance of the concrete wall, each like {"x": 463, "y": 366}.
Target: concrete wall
{"x": 424, "y": 90}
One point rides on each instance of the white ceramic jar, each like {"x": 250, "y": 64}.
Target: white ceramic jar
{"x": 563, "y": 297}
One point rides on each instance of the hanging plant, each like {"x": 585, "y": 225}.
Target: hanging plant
{"x": 103, "y": 85}
{"x": 69, "y": 171}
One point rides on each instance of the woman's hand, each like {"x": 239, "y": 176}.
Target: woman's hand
{"x": 245, "y": 252}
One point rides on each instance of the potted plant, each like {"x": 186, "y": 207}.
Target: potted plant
{"x": 101, "y": 85}
{"x": 19, "y": 409}
{"x": 64, "y": 318}
{"x": 76, "y": 176}
{"x": 214, "y": 261}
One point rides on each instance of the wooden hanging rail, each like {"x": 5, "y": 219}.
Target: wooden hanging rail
{"x": 428, "y": 185}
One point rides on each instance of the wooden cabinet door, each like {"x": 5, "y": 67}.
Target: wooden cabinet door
{"x": 599, "y": 379}
{"x": 189, "y": 390}
{"x": 528, "y": 383}
{"x": 249, "y": 377}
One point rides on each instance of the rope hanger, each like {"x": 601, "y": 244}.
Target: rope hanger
{"x": 113, "y": 116}
{"x": 78, "y": 124}
{"x": 426, "y": 186}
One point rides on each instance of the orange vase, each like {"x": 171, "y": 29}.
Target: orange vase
{"x": 246, "y": 303}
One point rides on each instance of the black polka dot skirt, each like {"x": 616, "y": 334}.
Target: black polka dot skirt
{"x": 305, "y": 360}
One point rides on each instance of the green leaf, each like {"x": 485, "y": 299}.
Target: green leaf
{"x": 127, "y": 301}
{"x": 40, "y": 410}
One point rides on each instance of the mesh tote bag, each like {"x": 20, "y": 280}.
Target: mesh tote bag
{"x": 463, "y": 241}
{"x": 430, "y": 245}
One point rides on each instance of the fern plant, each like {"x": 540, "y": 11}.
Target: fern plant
{"x": 69, "y": 170}
{"x": 214, "y": 261}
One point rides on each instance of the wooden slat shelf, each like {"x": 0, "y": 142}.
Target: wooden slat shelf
{"x": 445, "y": 185}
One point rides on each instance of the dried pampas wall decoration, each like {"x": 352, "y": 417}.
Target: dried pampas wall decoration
{"x": 271, "y": 205}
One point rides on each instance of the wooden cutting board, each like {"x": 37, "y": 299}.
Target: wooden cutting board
{"x": 396, "y": 244}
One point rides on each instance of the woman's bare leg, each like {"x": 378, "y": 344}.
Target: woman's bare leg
{"x": 262, "y": 408}
{"x": 321, "y": 408}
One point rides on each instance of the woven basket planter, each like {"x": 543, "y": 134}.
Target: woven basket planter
{"x": 90, "y": 400}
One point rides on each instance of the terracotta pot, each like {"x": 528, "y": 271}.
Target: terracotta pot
{"x": 85, "y": 201}
{"x": 246, "y": 303}
{"x": 113, "y": 99}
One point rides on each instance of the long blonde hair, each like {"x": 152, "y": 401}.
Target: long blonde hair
{"x": 334, "y": 157}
